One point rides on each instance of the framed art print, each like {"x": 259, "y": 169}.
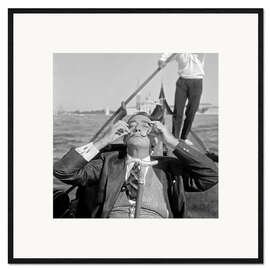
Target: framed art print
{"x": 135, "y": 135}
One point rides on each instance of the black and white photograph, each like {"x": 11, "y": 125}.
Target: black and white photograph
{"x": 139, "y": 128}
{"x": 156, "y": 156}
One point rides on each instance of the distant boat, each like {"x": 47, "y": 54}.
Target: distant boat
{"x": 107, "y": 111}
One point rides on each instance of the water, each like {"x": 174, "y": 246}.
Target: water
{"x": 74, "y": 130}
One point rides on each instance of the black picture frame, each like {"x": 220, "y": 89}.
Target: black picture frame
{"x": 13, "y": 260}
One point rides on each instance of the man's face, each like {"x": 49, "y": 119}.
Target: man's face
{"x": 140, "y": 127}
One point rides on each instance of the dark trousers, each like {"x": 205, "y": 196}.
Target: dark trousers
{"x": 190, "y": 89}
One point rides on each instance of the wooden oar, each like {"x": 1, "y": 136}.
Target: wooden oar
{"x": 120, "y": 112}
{"x": 199, "y": 141}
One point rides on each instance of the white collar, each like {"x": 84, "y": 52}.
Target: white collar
{"x": 144, "y": 159}
{"x": 130, "y": 165}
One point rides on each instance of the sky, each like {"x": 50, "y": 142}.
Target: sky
{"x": 87, "y": 81}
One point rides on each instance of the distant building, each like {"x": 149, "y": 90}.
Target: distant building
{"x": 149, "y": 104}
{"x": 132, "y": 110}
{"x": 138, "y": 102}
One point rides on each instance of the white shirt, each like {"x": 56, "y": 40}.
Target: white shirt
{"x": 131, "y": 164}
{"x": 87, "y": 151}
{"x": 189, "y": 64}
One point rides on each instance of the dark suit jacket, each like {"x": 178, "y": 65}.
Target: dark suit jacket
{"x": 101, "y": 179}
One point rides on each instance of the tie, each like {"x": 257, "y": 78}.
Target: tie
{"x": 135, "y": 176}
{"x": 131, "y": 185}
{"x": 135, "y": 183}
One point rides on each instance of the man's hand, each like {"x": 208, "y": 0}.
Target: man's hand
{"x": 166, "y": 135}
{"x": 116, "y": 131}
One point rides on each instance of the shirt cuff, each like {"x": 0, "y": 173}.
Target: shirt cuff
{"x": 88, "y": 151}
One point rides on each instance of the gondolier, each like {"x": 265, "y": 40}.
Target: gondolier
{"x": 188, "y": 87}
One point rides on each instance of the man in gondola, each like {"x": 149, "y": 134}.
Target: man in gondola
{"x": 107, "y": 175}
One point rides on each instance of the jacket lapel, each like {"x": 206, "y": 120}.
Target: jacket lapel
{"x": 115, "y": 180}
{"x": 161, "y": 175}
{"x": 158, "y": 171}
